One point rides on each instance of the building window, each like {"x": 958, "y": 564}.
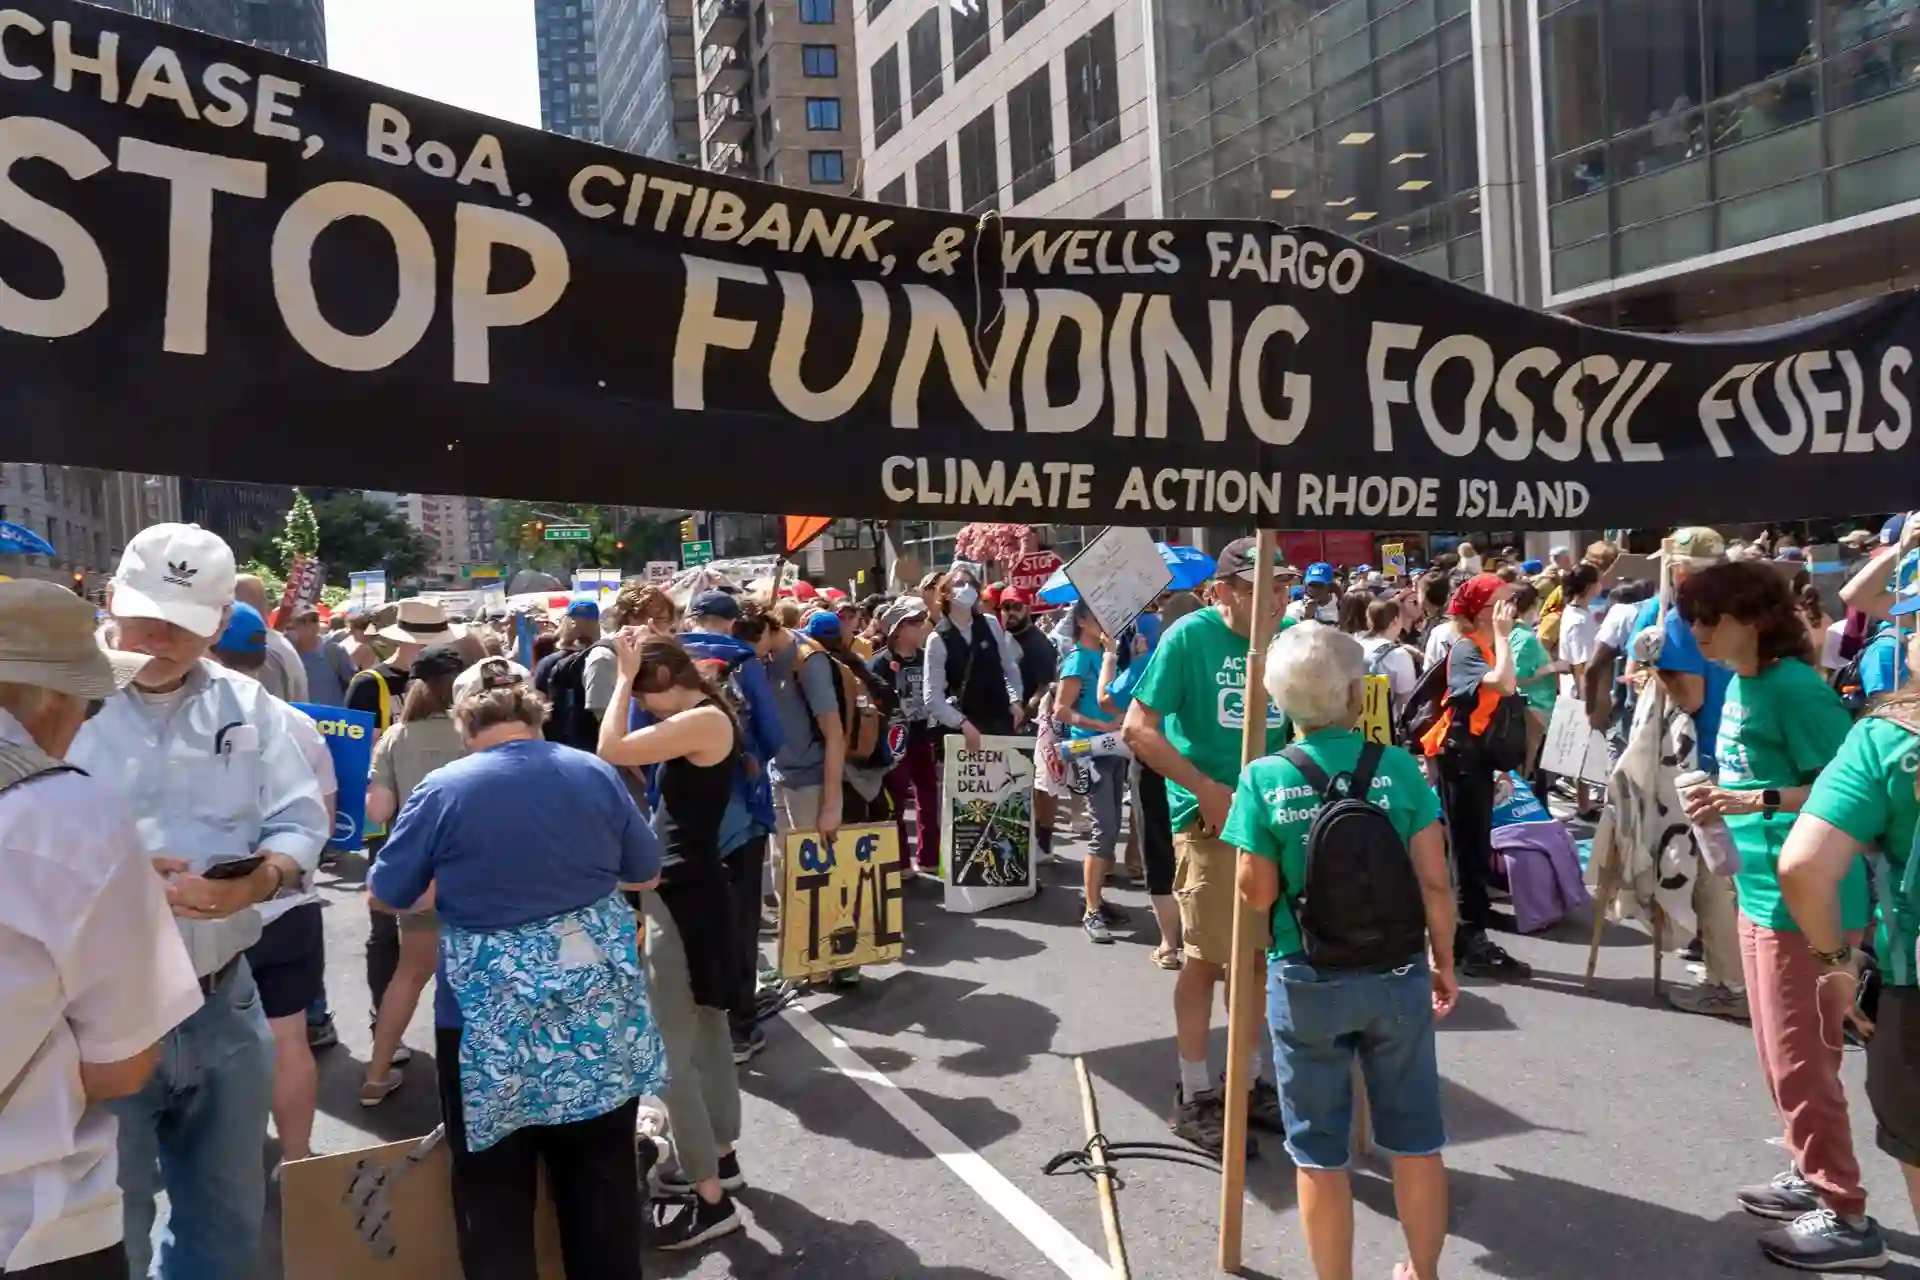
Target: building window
{"x": 894, "y": 192}
{"x": 930, "y": 189}
{"x": 823, "y": 113}
{"x": 972, "y": 35}
{"x": 979, "y": 164}
{"x": 924, "y": 61}
{"x": 764, "y": 75}
{"x": 885, "y": 77}
{"x": 760, "y": 23}
{"x": 816, "y": 12}
{"x": 766, "y": 172}
{"x": 766, "y": 127}
{"x": 1030, "y": 134}
{"x": 820, "y": 60}
{"x": 1093, "y": 94}
{"x": 1019, "y": 13}
{"x": 874, "y": 7}
{"x": 825, "y": 167}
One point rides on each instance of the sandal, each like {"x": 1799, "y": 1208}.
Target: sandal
{"x": 375, "y": 1092}
{"x": 1168, "y": 957}
{"x": 1404, "y": 1271}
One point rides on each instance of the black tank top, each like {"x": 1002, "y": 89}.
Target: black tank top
{"x": 693, "y": 803}
{"x": 976, "y": 680}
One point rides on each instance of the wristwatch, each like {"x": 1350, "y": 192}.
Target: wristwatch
{"x": 1770, "y": 801}
{"x": 1833, "y": 959}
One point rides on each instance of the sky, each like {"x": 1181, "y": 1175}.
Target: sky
{"x": 476, "y": 54}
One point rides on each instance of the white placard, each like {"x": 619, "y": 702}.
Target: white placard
{"x": 1573, "y": 748}
{"x": 986, "y": 842}
{"x": 1118, "y": 575}
{"x": 662, "y": 570}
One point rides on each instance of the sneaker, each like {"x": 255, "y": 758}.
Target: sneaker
{"x": 688, "y": 1222}
{"x": 671, "y": 1182}
{"x": 322, "y": 1034}
{"x": 1263, "y": 1107}
{"x": 375, "y": 1092}
{"x": 1107, "y": 911}
{"x": 402, "y": 1055}
{"x": 1693, "y": 953}
{"x": 1785, "y": 1198}
{"x": 1096, "y": 928}
{"x": 1202, "y": 1120}
{"x": 1712, "y": 999}
{"x": 747, "y": 1043}
{"x": 843, "y": 979}
{"x": 1485, "y": 958}
{"x": 1822, "y": 1240}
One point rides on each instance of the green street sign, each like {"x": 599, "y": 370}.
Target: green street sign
{"x": 569, "y": 533}
{"x": 695, "y": 553}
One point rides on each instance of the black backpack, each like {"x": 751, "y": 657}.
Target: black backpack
{"x": 570, "y": 723}
{"x": 1846, "y": 682}
{"x": 1360, "y": 907}
{"x": 1424, "y": 704}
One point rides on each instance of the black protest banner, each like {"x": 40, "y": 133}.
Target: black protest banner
{"x": 223, "y": 263}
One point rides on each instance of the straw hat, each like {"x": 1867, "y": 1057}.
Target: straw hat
{"x": 420, "y": 622}
{"x": 47, "y": 640}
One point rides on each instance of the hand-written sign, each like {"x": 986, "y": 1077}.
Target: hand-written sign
{"x": 841, "y": 901}
{"x": 1573, "y": 748}
{"x": 1376, "y": 718}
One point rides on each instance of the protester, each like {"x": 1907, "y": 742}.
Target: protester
{"x": 1186, "y": 725}
{"x": 1152, "y": 826}
{"x": 1780, "y": 726}
{"x": 94, "y": 974}
{"x": 1078, "y": 706}
{"x": 1353, "y": 611}
{"x": 357, "y": 642}
{"x": 1039, "y": 669}
{"x": 1438, "y": 630}
{"x": 521, "y": 841}
{"x": 1318, "y": 602}
{"x": 973, "y": 668}
{"x": 1865, "y": 800}
{"x": 1536, "y": 676}
{"x": 1479, "y": 673}
{"x": 424, "y": 739}
{"x": 284, "y": 675}
{"x": 210, "y": 762}
{"x": 692, "y": 960}
{"x": 561, "y": 678}
{"x": 328, "y": 668}
{"x": 901, "y": 662}
{"x": 1386, "y": 656}
{"x": 1380, "y": 1014}
{"x": 864, "y": 797}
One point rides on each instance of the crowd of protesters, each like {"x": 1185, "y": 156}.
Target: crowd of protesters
{"x": 174, "y": 982}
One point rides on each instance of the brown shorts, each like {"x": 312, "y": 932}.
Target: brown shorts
{"x": 1204, "y": 876}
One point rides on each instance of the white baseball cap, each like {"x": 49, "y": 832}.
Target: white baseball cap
{"x": 179, "y": 573}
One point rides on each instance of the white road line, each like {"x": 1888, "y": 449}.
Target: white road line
{"x": 1061, "y": 1246}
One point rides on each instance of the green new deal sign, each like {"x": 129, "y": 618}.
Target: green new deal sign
{"x": 569, "y": 533}
{"x": 694, "y": 553}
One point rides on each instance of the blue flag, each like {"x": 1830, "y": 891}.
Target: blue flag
{"x": 350, "y": 736}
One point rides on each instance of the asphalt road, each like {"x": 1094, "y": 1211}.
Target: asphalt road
{"x": 1596, "y": 1136}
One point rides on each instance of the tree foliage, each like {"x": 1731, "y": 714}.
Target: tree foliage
{"x": 301, "y": 537}
{"x": 353, "y": 533}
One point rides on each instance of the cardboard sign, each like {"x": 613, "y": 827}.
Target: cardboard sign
{"x": 1573, "y": 748}
{"x": 367, "y": 589}
{"x": 661, "y": 570}
{"x": 1031, "y": 571}
{"x": 987, "y": 838}
{"x": 1118, "y": 575}
{"x": 350, "y": 737}
{"x": 1393, "y": 559}
{"x": 1376, "y": 719}
{"x": 840, "y": 904}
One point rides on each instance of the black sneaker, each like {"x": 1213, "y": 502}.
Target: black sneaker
{"x": 687, "y": 1223}
{"x": 747, "y": 1043}
{"x": 1693, "y": 953}
{"x": 1202, "y": 1120}
{"x": 1822, "y": 1240}
{"x": 1785, "y": 1198}
{"x": 1482, "y": 957}
{"x": 1263, "y": 1107}
{"x": 322, "y": 1035}
{"x": 672, "y": 1183}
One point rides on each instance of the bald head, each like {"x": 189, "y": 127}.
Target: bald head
{"x": 248, "y": 589}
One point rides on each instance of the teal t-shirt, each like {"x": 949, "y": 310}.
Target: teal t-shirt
{"x": 1529, "y": 658}
{"x": 1197, "y": 680}
{"x": 1779, "y": 729}
{"x": 1867, "y": 792}
{"x": 1273, "y": 809}
{"x": 1084, "y": 664}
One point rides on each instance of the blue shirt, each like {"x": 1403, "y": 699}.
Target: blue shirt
{"x": 513, "y": 834}
{"x": 1680, "y": 653}
{"x": 1882, "y": 666}
{"x": 1084, "y": 664}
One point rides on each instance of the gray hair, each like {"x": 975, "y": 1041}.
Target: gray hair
{"x": 1315, "y": 675}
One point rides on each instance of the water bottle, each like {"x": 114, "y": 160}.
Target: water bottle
{"x": 1710, "y": 832}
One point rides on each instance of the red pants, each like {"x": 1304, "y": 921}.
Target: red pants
{"x": 917, "y": 775}
{"x": 1799, "y": 1063}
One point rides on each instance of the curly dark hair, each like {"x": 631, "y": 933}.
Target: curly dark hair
{"x": 1754, "y": 594}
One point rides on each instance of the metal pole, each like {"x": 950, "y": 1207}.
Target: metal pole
{"x": 1243, "y": 974}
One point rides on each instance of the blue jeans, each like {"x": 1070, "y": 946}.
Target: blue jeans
{"x": 197, "y": 1130}
{"x": 1321, "y": 1023}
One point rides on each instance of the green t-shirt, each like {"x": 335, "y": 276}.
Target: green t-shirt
{"x": 1779, "y": 729}
{"x": 1529, "y": 656}
{"x": 1273, "y": 809}
{"x": 1867, "y": 792}
{"x": 1197, "y": 681}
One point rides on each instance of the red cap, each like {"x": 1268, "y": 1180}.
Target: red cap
{"x": 804, "y": 590}
{"x": 1474, "y": 594}
{"x": 1017, "y": 595}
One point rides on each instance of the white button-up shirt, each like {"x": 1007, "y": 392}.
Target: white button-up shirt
{"x": 212, "y": 772}
{"x": 91, "y": 970}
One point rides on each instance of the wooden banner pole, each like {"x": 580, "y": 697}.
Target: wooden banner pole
{"x": 1243, "y": 976}
{"x": 1097, "y": 1148}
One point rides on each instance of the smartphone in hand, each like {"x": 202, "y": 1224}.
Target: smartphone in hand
{"x": 236, "y": 869}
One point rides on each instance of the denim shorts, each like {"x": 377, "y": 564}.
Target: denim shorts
{"x": 1321, "y": 1024}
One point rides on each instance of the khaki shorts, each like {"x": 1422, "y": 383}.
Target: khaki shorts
{"x": 1204, "y": 884}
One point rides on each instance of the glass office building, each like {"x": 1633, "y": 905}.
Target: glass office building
{"x": 1674, "y": 129}
{"x": 565, "y": 49}
{"x": 1356, "y": 115}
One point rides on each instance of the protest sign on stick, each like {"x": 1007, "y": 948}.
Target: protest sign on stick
{"x": 1118, "y": 575}
{"x": 842, "y": 901}
{"x": 987, "y": 837}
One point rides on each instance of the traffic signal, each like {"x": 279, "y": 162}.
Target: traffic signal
{"x": 79, "y": 583}
{"x": 619, "y": 546}
{"x": 687, "y": 533}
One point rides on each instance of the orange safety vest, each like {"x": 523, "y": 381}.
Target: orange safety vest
{"x": 1486, "y": 700}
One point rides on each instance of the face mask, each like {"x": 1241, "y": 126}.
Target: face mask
{"x": 966, "y": 596}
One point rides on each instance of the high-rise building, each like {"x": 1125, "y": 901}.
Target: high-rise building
{"x": 459, "y": 529}
{"x": 779, "y": 91}
{"x": 566, "y": 49}
{"x": 297, "y": 28}
{"x": 648, "y": 90}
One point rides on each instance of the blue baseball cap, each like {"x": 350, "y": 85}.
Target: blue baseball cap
{"x": 1362, "y": 570}
{"x": 1909, "y": 605}
{"x": 246, "y": 630}
{"x": 584, "y": 609}
{"x": 713, "y": 604}
{"x": 824, "y": 625}
{"x": 1319, "y": 572}
{"x": 1890, "y": 531}
{"x": 1530, "y": 566}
